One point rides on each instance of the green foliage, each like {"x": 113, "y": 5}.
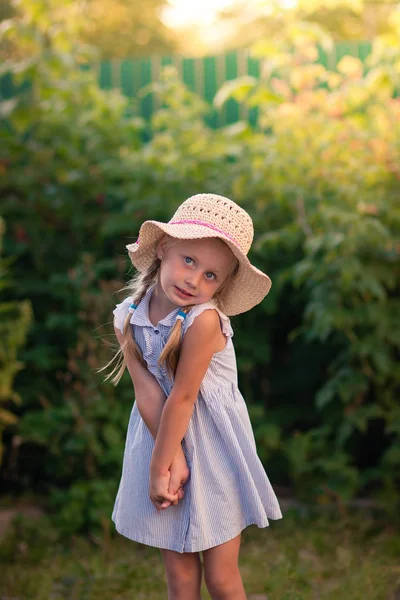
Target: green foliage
{"x": 113, "y": 28}
{"x": 15, "y": 319}
{"x": 346, "y": 20}
{"x": 318, "y": 359}
{"x": 327, "y": 166}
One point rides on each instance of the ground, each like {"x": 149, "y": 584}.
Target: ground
{"x": 353, "y": 556}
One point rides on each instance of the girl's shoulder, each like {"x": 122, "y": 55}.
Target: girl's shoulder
{"x": 120, "y": 312}
{"x": 198, "y": 309}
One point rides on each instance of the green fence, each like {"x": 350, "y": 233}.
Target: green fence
{"x": 202, "y": 75}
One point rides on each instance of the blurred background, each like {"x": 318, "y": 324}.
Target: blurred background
{"x": 115, "y": 111}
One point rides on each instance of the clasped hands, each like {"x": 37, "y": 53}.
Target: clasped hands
{"x": 168, "y": 488}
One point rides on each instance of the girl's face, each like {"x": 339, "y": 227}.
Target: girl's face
{"x": 192, "y": 271}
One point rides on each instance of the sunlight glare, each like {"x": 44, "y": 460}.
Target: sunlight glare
{"x": 180, "y": 13}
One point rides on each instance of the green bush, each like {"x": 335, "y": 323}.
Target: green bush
{"x": 15, "y": 319}
{"x": 318, "y": 359}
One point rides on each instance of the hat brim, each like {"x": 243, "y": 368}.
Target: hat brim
{"x": 249, "y": 286}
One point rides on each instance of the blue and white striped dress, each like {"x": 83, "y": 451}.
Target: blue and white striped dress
{"x": 228, "y": 488}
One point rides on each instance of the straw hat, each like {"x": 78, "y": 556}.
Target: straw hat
{"x": 210, "y": 216}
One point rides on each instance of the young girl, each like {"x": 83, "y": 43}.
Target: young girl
{"x": 191, "y": 478}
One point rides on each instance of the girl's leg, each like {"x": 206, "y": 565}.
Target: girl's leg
{"x": 183, "y": 574}
{"x": 221, "y": 571}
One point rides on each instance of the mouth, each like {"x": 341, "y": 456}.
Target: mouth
{"x": 186, "y": 294}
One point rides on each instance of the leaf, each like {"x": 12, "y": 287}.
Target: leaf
{"x": 265, "y": 49}
{"x": 6, "y": 27}
{"x": 350, "y": 66}
{"x": 270, "y": 435}
{"x": 238, "y": 89}
{"x": 379, "y": 82}
{"x": 262, "y": 96}
{"x": 7, "y": 418}
{"x": 325, "y": 395}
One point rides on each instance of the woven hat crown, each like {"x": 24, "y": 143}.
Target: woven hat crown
{"x": 220, "y": 214}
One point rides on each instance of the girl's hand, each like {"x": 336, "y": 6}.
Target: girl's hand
{"x": 158, "y": 489}
{"x": 179, "y": 476}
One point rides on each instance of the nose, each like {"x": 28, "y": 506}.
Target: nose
{"x": 192, "y": 281}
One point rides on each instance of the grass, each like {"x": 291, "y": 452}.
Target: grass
{"x": 298, "y": 558}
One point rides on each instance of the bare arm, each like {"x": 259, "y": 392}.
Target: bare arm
{"x": 150, "y": 400}
{"x": 149, "y": 396}
{"x": 200, "y": 342}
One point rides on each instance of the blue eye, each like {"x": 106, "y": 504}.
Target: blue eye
{"x": 212, "y": 275}
{"x": 188, "y": 260}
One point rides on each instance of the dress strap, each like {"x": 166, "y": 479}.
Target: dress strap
{"x": 199, "y": 308}
{"x": 120, "y": 312}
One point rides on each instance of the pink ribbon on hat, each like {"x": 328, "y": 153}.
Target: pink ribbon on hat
{"x": 195, "y": 222}
{"x": 204, "y": 224}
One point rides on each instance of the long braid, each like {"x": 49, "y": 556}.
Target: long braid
{"x": 172, "y": 349}
{"x": 137, "y": 288}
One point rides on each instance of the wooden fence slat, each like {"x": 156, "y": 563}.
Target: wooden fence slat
{"x": 220, "y": 79}
{"x": 199, "y": 76}
{"x": 105, "y": 75}
{"x": 116, "y": 74}
{"x": 210, "y": 88}
{"x": 146, "y": 103}
{"x": 188, "y": 74}
{"x": 156, "y": 67}
{"x": 242, "y": 70}
{"x": 231, "y": 107}
{"x": 127, "y": 78}
{"x": 253, "y": 69}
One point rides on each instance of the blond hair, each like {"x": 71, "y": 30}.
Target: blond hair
{"x": 137, "y": 288}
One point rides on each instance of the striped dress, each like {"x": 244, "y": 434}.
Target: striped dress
{"x": 227, "y": 489}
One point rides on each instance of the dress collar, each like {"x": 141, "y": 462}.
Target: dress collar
{"x": 141, "y": 315}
